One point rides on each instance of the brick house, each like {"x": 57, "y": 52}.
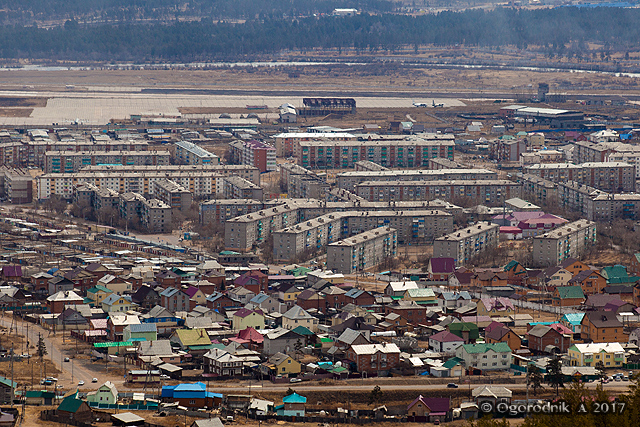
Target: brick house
{"x": 542, "y": 336}
{"x": 591, "y": 282}
{"x": 374, "y": 358}
{"x": 409, "y": 310}
{"x": 567, "y": 296}
{"x": 602, "y": 326}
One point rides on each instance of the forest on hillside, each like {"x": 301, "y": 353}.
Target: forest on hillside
{"x": 553, "y": 29}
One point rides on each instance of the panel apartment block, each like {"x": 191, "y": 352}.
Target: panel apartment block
{"x": 299, "y": 182}
{"x": 568, "y": 241}
{"x": 235, "y": 187}
{"x": 173, "y": 194}
{"x": 285, "y": 142}
{"x": 69, "y": 162}
{"x": 385, "y": 150}
{"x": 490, "y": 192}
{"x": 614, "y": 177}
{"x": 254, "y": 153}
{"x": 462, "y": 245}
{"x": 308, "y": 236}
{"x": 191, "y": 154}
{"x": 348, "y": 180}
{"x": 222, "y": 210}
{"x": 541, "y": 189}
{"x": 362, "y": 251}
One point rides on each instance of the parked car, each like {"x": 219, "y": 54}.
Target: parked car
{"x": 165, "y": 377}
{"x": 66, "y": 359}
{"x": 95, "y": 380}
{"x": 80, "y": 382}
{"x": 452, "y": 385}
{"x": 295, "y": 380}
{"x": 54, "y": 379}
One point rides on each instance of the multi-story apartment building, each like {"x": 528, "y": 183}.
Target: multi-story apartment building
{"x": 254, "y": 153}
{"x": 348, "y": 180}
{"x": 416, "y": 225}
{"x": 438, "y": 163}
{"x": 299, "y": 182}
{"x": 285, "y": 142}
{"x": 614, "y": 177}
{"x": 386, "y": 150}
{"x": 173, "y": 194}
{"x": 235, "y": 187}
{"x": 568, "y": 241}
{"x": 588, "y": 151}
{"x": 611, "y": 354}
{"x": 221, "y": 210}
{"x": 541, "y": 189}
{"x": 192, "y": 154}
{"x": 199, "y": 179}
{"x": 16, "y": 185}
{"x": 362, "y": 251}
{"x": 508, "y": 150}
{"x": 490, "y": 192}
{"x": 69, "y": 162}
{"x": 308, "y": 236}
{"x": 632, "y": 158}
{"x": 462, "y": 245}
{"x": 156, "y": 216}
{"x": 366, "y": 165}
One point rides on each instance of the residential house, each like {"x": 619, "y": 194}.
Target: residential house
{"x": 611, "y": 354}
{"x": 602, "y": 326}
{"x": 166, "y": 322}
{"x": 411, "y": 311}
{"x": 7, "y": 389}
{"x": 116, "y": 284}
{"x": 590, "y": 281}
{"x": 487, "y": 357}
{"x": 495, "y": 306}
{"x": 491, "y": 394}
{"x": 445, "y": 342}
{"x": 430, "y": 409}
{"x": 397, "y": 289}
{"x": 545, "y": 339}
{"x": 220, "y": 302}
{"x": 150, "y": 351}
{"x": 568, "y": 296}
{"x": 81, "y": 278}
{"x": 97, "y": 294}
{"x": 439, "y": 269}
{"x": 280, "y": 364}
{"x": 38, "y": 398}
{"x": 293, "y": 405}
{"x": 574, "y": 266}
{"x": 59, "y": 284}
{"x": 310, "y": 299}
{"x": 174, "y": 300}
{"x": 449, "y": 301}
{"x": 146, "y": 297}
{"x": 73, "y": 408}
{"x": 40, "y": 283}
{"x": 358, "y": 297}
{"x": 254, "y": 280}
{"x": 107, "y": 394}
{"x": 288, "y": 293}
{"x": 572, "y": 321}
{"x": 267, "y": 303}
{"x": 350, "y": 337}
{"x": 423, "y": 297}
{"x": 168, "y": 279}
{"x": 116, "y": 324}
{"x": 483, "y": 279}
{"x": 191, "y": 395}
{"x": 245, "y": 318}
{"x": 117, "y": 303}
{"x": 140, "y": 332}
{"x": 194, "y": 341}
{"x": 280, "y": 340}
{"x": 468, "y": 331}
{"x": 241, "y": 294}
{"x": 196, "y": 297}
{"x": 59, "y": 300}
{"x": 555, "y": 276}
{"x": 297, "y": 316}
{"x": 374, "y": 358}
{"x": 221, "y": 363}
{"x": 497, "y": 332}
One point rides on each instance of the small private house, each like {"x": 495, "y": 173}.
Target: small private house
{"x": 487, "y": 357}
{"x": 498, "y": 306}
{"x": 245, "y": 318}
{"x": 445, "y": 342}
{"x": 117, "y": 303}
{"x": 297, "y": 316}
{"x": 140, "y": 332}
{"x": 429, "y": 409}
{"x": 281, "y": 364}
{"x": 6, "y": 390}
{"x": 39, "y": 397}
{"x": 191, "y": 395}
{"x": 107, "y": 394}
{"x": 74, "y": 408}
{"x": 491, "y": 394}
{"x": 293, "y": 405}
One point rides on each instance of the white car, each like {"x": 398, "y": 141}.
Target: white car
{"x": 80, "y": 382}
{"x": 95, "y": 380}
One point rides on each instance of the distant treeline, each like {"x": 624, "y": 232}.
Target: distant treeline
{"x": 28, "y": 11}
{"x": 187, "y": 41}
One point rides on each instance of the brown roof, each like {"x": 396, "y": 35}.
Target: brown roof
{"x": 603, "y": 319}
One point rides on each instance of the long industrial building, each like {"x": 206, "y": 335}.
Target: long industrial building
{"x": 348, "y": 180}
{"x": 490, "y": 192}
{"x": 568, "y": 241}
{"x": 392, "y": 151}
{"x": 362, "y": 251}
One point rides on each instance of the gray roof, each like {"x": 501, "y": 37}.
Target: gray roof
{"x": 349, "y": 336}
{"x": 155, "y": 348}
{"x": 210, "y": 422}
{"x": 297, "y": 313}
{"x": 143, "y": 327}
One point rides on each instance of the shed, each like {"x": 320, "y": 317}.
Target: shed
{"x": 126, "y": 419}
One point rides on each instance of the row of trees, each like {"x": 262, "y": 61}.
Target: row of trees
{"x": 209, "y": 39}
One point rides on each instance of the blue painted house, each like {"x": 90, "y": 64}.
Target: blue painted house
{"x": 292, "y": 405}
{"x": 191, "y": 395}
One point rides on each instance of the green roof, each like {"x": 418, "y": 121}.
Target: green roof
{"x": 201, "y": 347}
{"x": 301, "y": 330}
{"x": 499, "y": 347}
{"x": 326, "y": 340}
{"x": 113, "y": 344}
{"x": 8, "y": 382}
{"x": 421, "y": 293}
{"x": 629, "y": 280}
{"x": 229, "y": 253}
{"x": 337, "y": 369}
{"x": 454, "y": 361}
{"x": 97, "y": 288}
{"x": 70, "y": 403}
{"x": 458, "y": 328}
{"x": 40, "y": 393}
{"x": 565, "y": 292}
{"x": 614, "y": 271}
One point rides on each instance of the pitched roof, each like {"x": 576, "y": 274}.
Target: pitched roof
{"x": 566, "y": 292}
{"x": 497, "y": 303}
{"x": 297, "y": 313}
{"x": 500, "y": 347}
{"x": 540, "y": 331}
{"x": 491, "y": 391}
{"x": 375, "y": 348}
{"x": 245, "y": 312}
{"x": 191, "y": 337}
{"x": 155, "y": 348}
{"x": 445, "y": 336}
{"x": 435, "y": 404}
{"x": 442, "y": 265}
{"x": 294, "y": 398}
{"x": 603, "y": 319}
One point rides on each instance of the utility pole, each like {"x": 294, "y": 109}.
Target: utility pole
{"x": 12, "y": 390}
